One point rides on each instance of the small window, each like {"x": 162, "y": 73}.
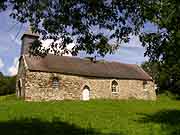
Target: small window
{"x": 114, "y": 86}
{"x": 55, "y": 82}
{"x": 144, "y": 85}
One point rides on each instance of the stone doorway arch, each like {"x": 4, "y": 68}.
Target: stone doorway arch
{"x": 86, "y": 93}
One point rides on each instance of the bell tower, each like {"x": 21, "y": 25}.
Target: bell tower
{"x": 27, "y": 39}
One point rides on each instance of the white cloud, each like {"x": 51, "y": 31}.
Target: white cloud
{"x": 131, "y": 52}
{"x": 133, "y": 42}
{"x": 46, "y": 44}
{"x": 14, "y": 68}
{"x": 1, "y": 63}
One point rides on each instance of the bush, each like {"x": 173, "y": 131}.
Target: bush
{"x": 7, "y": 84}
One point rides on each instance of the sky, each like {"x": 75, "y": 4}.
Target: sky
{"x": 10, "y": 44}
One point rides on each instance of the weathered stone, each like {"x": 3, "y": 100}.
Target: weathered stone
{"x": 37, "y": 86}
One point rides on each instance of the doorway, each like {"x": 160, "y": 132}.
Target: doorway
{"x": 86, "y": 93}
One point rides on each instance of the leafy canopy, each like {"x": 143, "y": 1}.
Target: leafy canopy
{"x": 102, "y": 25}
{"x": 95, "y": 26}
{"x": 163, "y": 45}
{"x": 7, "y": 84}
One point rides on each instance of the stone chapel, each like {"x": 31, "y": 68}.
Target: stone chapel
{"x": 71, "y": 78}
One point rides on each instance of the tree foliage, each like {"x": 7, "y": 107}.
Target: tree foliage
{"x": 7, "y": 84}
{"x": 165, "y": 77}
{"x": 92, "y": 24}
{"x": 152, "y": 68}
{"x": 163, "y": 45}
{"x": 102, "y": 25}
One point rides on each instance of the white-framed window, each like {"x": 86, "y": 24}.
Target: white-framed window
{"x": 55, "y": 82}
{"x": 114, "y": 87}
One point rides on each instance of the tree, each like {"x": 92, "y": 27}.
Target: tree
{"x": 7, "y": 85}
{"x": 102, "y": 25}
{"x": 1, "y": 74}
{"x": 154, "y": 69}
{"x": 163, "y": 45}
{"x": 93, "y": 25}
{"x": 163, "y": 75}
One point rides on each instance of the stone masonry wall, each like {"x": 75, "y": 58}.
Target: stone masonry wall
{"x": 38, "y": 87}
{"x": 21, "y": 78}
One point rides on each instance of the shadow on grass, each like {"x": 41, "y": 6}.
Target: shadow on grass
{"x": 177, "y": 97}
{"x": 169, "y": 120}
{"x": 38, "y": 127}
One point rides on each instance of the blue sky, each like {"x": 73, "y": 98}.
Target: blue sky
{"x": 10, "y": 43}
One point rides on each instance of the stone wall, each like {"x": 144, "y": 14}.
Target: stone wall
{"x": 21, "y": 79}
{"x": 38, "y": 87}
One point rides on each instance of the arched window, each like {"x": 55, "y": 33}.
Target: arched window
{"x": 114, "y": 86}
{"x": 55, "y": 82}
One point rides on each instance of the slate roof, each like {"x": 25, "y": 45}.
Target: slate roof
{"x": 85, "y": 67}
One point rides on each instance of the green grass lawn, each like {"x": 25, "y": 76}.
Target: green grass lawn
{"x": 161, "y": 117}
